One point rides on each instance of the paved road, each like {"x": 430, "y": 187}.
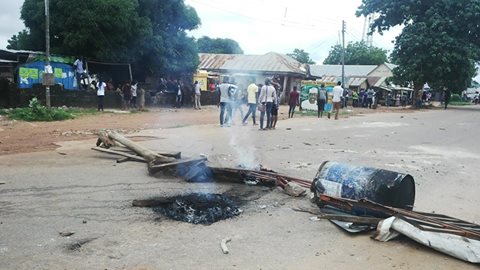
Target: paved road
{"x": 76, "y": 189}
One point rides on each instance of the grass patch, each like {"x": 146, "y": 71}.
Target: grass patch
{"x": 37, "y": 112}
{"x": 459, "y": 103}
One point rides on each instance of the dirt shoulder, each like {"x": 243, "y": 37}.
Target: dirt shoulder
{"x": 25, "y": 137}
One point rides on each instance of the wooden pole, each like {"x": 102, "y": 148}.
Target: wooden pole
{"x": 146, "y": 153}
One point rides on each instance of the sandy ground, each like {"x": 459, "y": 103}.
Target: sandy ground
{"x": 75, "y": 189}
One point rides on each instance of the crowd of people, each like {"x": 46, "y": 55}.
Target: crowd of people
{"x": 262, "y": 98}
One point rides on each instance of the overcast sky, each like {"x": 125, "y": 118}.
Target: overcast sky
{"x": 259, "y": 26}
{"x": 262, "y": 26}
{"x": 10, "y": 22}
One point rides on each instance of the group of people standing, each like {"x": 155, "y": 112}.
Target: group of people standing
{"x": 129, "y": 92}
{"x": 263, "y": 98}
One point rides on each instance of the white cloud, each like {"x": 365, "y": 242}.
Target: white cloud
{"x": 261, "y": 26}
{"x": 10, "y": 22}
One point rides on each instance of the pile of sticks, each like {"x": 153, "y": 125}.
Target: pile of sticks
{"x": 131, "y": 151}
{"x": 167, "y": 162}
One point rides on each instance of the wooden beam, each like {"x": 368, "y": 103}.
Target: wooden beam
{"x": 109, "y": 151}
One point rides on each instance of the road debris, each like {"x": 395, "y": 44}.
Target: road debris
{"x": 352, "y": 197}
{"x": 223, "y": 245}
{"x": 452, "y": 236}
{"x": 66, "y": 233}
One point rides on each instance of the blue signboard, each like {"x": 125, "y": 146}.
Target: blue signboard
{"x": 31, "y": 73}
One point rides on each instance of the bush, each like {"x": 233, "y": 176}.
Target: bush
{"x": 38, "y": 112}
{"x": 456, "y": 98}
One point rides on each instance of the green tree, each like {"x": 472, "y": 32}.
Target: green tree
{"x": 148, "y": 33}
{"x": 301, "y": 56}
{"x": 218, "y": 45}
{"x": 439, "y": 43}
{"x": 356, "y": 53}
{"x": 21, "y": 40}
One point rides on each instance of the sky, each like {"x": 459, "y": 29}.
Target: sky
{"x": 259, "y": 26}
{"x": 10, "y": 22}
{"x": 262, "y": 26}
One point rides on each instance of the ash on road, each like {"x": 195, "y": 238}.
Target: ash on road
{"x": 87, "y": 193}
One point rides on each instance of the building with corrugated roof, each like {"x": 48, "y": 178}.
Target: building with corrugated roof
{"x": 287, "y": 71}
{"x": 356, "y": 76}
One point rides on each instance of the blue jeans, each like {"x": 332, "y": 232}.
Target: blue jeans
{"x": 268, "y": 110}
{"x": 228, "y": 118}
{"x": 252, "y": 109}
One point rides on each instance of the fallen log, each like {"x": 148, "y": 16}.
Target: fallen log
{"x": 176, "y": 155}
{"x": 147, "y": 154}
{"x": 123, "y": 154}
{"x": 105, "y": 140}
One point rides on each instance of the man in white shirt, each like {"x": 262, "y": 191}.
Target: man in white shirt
{"x": 78, "y": 64}
{"x": 197, "y": 106}
{"x": 337, "y": 98}
{"x": 225, "y": 102}
{"x": 267, "y": 96}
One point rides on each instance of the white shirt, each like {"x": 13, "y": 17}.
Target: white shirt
{"x": 268, "y": 94}
{"x": 101, "y": 89}
{"x": 79, "y": 66}
{"x": 133, "y": 90}
{"x": 197, "y": 89}
{"x": 337, "y": 93}
{"x": 224, "y": 89}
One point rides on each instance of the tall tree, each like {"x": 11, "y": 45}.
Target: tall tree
{"x": 149, "y": 33}
{"x": 356, "y": 53}
{"x": 301, "y": 56}
{"x": 218, "y": 45}
{"x": 439, "y": 43}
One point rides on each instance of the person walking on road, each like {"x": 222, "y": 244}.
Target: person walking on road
{"x": 275, "y": 107}
{"x": 133, "y": 90}
{"x": 370, "y": 95}
{"x": 293, "y": 102}
{"x": 252, "y": 91}
{"x": 337, "y": 98}
{"x": 197, "y": 94}
{"x": 127, "y": 96}
{"x": 179, "y": 97}
{"x": 101, "y": 85}
{"x": 321, "y": 100}
{"x": 267, "y": 96}
{"x": 225, "y": 102}
{"x": 448, "y": 95}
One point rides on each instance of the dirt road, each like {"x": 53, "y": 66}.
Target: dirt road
{"x": 77, "y": 190}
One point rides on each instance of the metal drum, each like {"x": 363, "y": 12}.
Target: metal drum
{"x": 358, "y": 182}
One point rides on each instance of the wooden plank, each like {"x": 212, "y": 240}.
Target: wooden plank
{"x": 109, "y": 151}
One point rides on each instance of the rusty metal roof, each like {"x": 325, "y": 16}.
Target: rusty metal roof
{"x": 273, "y": 63}
{"x": 336, "y": 70}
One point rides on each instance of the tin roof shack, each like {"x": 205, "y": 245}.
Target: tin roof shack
{"x": 285, "y": 70}
{"x": 21, "y": 79}
{"x": 357, "y": 76}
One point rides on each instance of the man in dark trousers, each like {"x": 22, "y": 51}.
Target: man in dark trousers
{"x": 448, "y": 95}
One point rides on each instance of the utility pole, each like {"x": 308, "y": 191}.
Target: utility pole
{"x": 343, "y": 54}
{"x": 47, "y": 50}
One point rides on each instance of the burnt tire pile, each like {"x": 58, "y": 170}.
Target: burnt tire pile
{"x": 200, "y": 208}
